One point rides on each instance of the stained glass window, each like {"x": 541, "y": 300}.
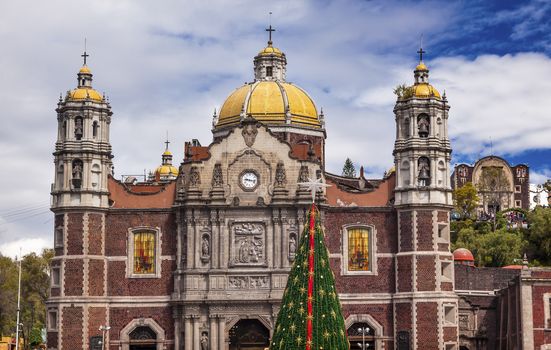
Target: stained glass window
{"x": 144, "y": 252}
{"x": 358, "y": 249}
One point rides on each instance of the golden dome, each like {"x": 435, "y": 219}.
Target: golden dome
{"x": 85, "y": 93}
{"x": 268, "y": 102}
{"x": 85, "y": 70}
{"x": 166, "y": 170}
{"x": 270, "y": 50}
{"x": 421, "y": 66}
{"x": 167, "y": 153}
{"x": 424, "y": 90}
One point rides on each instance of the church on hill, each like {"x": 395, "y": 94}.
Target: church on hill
{"x": 197, "y": 256}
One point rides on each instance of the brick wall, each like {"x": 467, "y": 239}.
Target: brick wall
{"x": 403, "y": 317}
{"x": 382, "y": 313}
{"x": 51, "y": 339}
{"x": 94, "y": 234}
{"x": 383, "y": 282}
{"x": 426, "y": 273}
{"x": 427, "y": 325}
{"x": 74, "y": 234}
{"x": 97, "y": 316}
{"x": 119, "y": 285}
{"x": 72, "y": 328}
{"x": 95, "y": 277}
{"x": 73, "y": 277}
{"x": 405, "y": 270}
{"x": 425, "y": 238}
{"x": 120, "y": 317}
{"x": 406, "y": 233}
{"x": 450, "y": 334}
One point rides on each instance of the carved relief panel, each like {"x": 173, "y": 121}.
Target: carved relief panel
{"x": 247, "y": 244}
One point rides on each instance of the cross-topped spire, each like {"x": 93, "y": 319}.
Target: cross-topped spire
{"x": 167, "y": 142}
{"x": 270, "y": 30}
{"x": 84, "y": 55}
{"x": 421, "y": 52}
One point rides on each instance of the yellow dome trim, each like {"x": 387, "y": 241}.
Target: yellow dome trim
{"x": 167, "y": 153}
{"x": 234, "y": 103}
{"x": 425, "y": 91}
{"x": 300, "y": 103}
{"x": 85, "y": 93}
{"x": 266, "y": 99}
{"x": 85, "y": 70}
{"x": 270, "y": 50}
{"x": 165, "y": 170}
{"x": 421, "y": 66}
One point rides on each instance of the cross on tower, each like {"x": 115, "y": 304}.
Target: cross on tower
{"x": 84, "y": 54}
{"x": 167, "y": 142}
{"x": 270, "y": 30}
{"x": 421, "y": 52}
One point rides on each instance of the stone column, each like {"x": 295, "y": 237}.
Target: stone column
{"x": 177, "y": 333}
{"x": 196, "y": 335}
{"x": 221, "y": 333}
{"x": 223, "y": 240}
{"x": 276, "y": 238}
{"x": 189, "y": 238}
{"x": 188, "y": 333}
{"x": 214, "y": 238}
{"x": 213, "y": 334}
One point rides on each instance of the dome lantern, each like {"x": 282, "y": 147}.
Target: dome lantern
{"x": 166, "y": 172}
{"x": 270, "y": 63}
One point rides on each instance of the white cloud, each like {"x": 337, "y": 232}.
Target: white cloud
{"x": 22, "y": 247}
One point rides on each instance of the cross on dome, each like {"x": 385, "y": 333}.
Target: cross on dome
{"x": 421, "y": 52}
{"x": 270, "y": 30}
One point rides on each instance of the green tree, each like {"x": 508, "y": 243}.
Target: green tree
{"x": 465, "y": 200}
{"x": 8, "y": 295}
{"x": 539, "y": 233}
{"x": 497, "y": 248}
{"x": 310, "y": 310}
{"x": 348, "y": 170}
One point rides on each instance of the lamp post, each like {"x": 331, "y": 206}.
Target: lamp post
{"x": 103, "y": 329}
{"x": 363, "y": 331}
{"x": 18, "y": 305}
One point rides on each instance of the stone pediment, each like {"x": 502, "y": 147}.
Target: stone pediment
{"x": 247, "y": 167}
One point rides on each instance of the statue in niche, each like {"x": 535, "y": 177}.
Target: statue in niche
{"x": 217, "y": 178}
{"x": 77, "y": 171}
{"x": 78, "y": 128}
{"x": 423, "y": 126}
{"x": 424, "y": 172}
{"x": 204, "y": 341}
{"x": 292, "y": 246}
{"x": 205, "y": 247}
{"x": 280, "y": 176}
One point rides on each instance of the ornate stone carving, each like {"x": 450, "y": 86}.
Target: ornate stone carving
{"x": 292, "y": 246}
{"x": 248, "y": 282}
{"x": 303, "y": 174}
{"x": 204, "y": 341}
{"x": 217, "y": 178}
{"x": 280, "y": 176}
{"x": 249, "y": 133}
{"x": 194, "y": 177}
{"x": 248, "y": 244}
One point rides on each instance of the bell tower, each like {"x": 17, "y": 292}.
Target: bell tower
{"x": 78, "y": 304}
{"x": 82, "y": 151}
{"x": 425, "y": 298}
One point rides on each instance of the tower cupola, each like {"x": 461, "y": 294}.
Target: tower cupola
{"x": 270, "y": 63}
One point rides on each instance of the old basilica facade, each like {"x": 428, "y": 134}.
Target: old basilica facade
{"x": 197, "y": 257}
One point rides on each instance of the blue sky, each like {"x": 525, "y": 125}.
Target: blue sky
{"x": 167, "y": 65}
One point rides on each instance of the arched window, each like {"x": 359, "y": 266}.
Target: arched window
{"x": 404, "y": 173}
{"x": 439, "y": 129}
{"x": 269, "y": 71}
{"x": 95, "y": 127}
{"x": 405, "y": 128}
{"x": 79, "y": 128}
{"x": 358, "y": 258}
{"x": 423, "y": 125}
{"x": 144, "y": 252}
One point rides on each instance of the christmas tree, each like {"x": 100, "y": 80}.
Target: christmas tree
{"x": 310, "y": 316}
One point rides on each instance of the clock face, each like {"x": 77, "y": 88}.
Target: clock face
{"x": 249, "y": 180}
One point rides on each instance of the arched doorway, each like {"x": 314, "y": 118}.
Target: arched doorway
{"x": 361, "y": 336}
{"x": 143, "y": 338}
{"x": 249, "y": 334}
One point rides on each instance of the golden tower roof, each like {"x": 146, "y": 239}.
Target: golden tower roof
{"x": 421, "y": 88}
